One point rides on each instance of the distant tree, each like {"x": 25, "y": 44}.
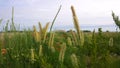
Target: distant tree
{"x": 86, "y": 31}
{"x": 116, "y": 20}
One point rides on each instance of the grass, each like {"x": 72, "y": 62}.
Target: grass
{"x": 54, "y": 49}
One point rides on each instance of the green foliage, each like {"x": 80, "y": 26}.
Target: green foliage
{"x": 116, "y": 19}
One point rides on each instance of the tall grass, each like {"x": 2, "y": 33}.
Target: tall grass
{"x": 43, "y": 49}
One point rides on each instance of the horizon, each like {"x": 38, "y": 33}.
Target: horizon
{"x": 110, "y": 28}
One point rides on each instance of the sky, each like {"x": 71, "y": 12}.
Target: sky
{"x": 30, "y": 12}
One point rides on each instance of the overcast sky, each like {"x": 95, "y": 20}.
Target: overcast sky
{"x": 89, "y": 12}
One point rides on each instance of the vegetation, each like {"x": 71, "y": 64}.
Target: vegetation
{"x": 116, "y": 20}
{"x": 73, "y": 49}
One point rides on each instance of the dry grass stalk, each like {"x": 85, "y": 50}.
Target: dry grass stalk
{"x": 40, "y": 31}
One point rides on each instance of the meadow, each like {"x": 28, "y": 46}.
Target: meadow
{"x": 58, "y": 49}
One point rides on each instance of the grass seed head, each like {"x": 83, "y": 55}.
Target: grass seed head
{"x": 40, "y": 50}
{"x": 69, "y": 41}
{"x": 36, "y": 34}
{"x": 32, "y": 55}
{"x": 62, "y": 52}
{"x": 111, "y": 42}
{"x": 74, "y": 60}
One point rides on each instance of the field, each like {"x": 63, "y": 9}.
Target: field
{"x": 59, "y": 49}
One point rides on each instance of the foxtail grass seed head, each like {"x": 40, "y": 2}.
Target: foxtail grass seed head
{"x": 69, "y": 41}
{"x": 76, "y": 23}
{"x": 40, "y": 28}
{"x": 74, "y": 60}
{"x": 45, "y": 31}
{"x": 36, "y": 34}
{"x": 52, "y": 49}
{"x": 40, "y": 50}
{"x": 73, "y": 11}
{"x": 62, "y": 52}
{"x": 74, "y": 36}
{"x": 37, "y": 37}
{"x": 32, "y": 55}
{"x": 51, "y": 41}
{"x": 111, "y": 42}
